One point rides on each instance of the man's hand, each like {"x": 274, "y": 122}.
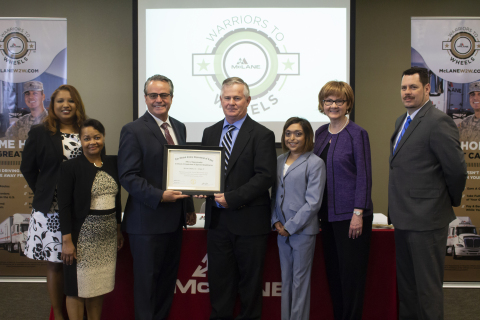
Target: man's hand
{"x": 172, "y": 195}
{"x": 191, "y": 218}
{"x": 220, "y": 198}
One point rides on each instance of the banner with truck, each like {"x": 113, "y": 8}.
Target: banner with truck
{"x": 33, "y": 60}
{"x": 449, "y": 48}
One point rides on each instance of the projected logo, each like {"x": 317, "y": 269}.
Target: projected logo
{"x": 15, "y": 45}
{"x": 249, "y": 54}
{"x": 462, "y": 46}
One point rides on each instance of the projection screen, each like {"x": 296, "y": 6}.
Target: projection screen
{"x": 285, "y": 54}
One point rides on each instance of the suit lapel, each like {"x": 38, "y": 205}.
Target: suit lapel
{"x": 322, "y": 144}
{"x": 181, "y": 139}
{"x": 153, "y": 126}
{"x": 282, "y": 166}
{"x": 242, "y": 139}
{"x": 297, "y": 162}
{"x": 411, "y": 128}
{"x": 89, "y": 171}
{"x": 58, "y": 145}
{"x": 394, "y": 136}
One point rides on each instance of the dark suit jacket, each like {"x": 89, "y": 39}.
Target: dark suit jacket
{"x": 140, "y": 169}
{"x": 41, "y": 159}
{"x": 250, "y": 173}
{"x": 75, "y": 191}
{"x": 427, "y": 172}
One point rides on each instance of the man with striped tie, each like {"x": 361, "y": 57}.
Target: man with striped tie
{"x": 427, "y": 177}
{"x": 238, "y": 220}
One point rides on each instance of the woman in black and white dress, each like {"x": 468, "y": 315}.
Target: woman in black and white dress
{"x": 47, "y": 146}
{"x": 90, "y": 213}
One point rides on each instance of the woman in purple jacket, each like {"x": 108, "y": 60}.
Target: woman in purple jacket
{"x": 346, "y": 211}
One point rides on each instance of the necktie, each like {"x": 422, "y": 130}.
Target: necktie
{"x": 407, "y": 123}
{"x": 228, "y": 144}
{"x": 167, "y": 133}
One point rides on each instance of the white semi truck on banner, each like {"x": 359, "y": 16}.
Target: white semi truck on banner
{"x": 14, "y": 232}
{"x": 463, "y": 240}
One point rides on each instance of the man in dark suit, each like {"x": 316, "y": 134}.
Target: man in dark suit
{"x": 238, "y": 220}
{"x": 153, "y": 217}
{"x": 427, "y": 177}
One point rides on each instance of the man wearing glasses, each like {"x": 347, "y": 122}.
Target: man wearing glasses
{"x": 153, "y": 217}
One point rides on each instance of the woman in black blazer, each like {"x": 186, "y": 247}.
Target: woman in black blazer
{"x": 47, "y": 146}
{"x": 90, "y": 216}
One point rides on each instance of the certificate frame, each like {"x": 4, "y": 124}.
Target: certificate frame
{"x": 192, "y": 163}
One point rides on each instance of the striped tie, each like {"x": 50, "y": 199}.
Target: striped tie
{"x": 227, "y": 143}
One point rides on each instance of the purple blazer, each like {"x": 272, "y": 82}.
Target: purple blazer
{"x": 349, "y": 170}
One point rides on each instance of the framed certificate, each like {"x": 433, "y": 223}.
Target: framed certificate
{"x": 194, "y": 170}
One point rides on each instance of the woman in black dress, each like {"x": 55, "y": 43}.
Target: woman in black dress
{"x": 47, "y": 146}
{"x": 90, "y": 214}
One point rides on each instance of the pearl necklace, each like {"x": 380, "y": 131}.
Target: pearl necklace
{"x": 98, "y": 166}
{"x": 346, "y": 122}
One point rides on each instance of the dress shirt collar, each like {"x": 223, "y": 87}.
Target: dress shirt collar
{"x": 416, "y": 111}
{"x": 237, "y": 124}
{"x": 160, "y": 121}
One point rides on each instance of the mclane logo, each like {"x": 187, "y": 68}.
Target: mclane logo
{"x": 252, "y": 54}
{"x": 16, "y": 45}
{"x": 463, "y": 45}
{"x": 243, "y": 64}
{"x": 194, "y": 286}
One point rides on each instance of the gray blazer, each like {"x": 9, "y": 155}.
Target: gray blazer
{"x": 298, "y": 195}
{"x": 427, "y": 172}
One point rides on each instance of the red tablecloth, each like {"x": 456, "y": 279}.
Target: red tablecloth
{"x": 191, "y": 293}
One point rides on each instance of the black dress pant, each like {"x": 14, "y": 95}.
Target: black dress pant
{"x": 346, "y": 262}
{"x": 235, "y": 265}
{"x": 420, "y": 259}
{"x": 156, "y": 258}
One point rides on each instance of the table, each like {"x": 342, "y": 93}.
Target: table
{"x": 191, "y": 299}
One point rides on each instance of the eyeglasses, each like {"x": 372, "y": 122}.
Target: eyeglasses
{"x": 339, "y": 103}
{"x": 297, "y": 134}
{"x": 154, "y": 96}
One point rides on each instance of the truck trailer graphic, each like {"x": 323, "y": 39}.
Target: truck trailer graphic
{"x": 463, "y": 240}
{"x": 14, "y": 233}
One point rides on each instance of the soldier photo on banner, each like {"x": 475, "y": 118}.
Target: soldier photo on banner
{"x": 469, "y": 128}
{"x": 34, "y": 96}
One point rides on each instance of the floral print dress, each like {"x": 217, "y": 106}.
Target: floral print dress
{"x": 44, "y": 241}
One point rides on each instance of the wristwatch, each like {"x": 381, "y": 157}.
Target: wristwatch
{"x": 357, "y": 213}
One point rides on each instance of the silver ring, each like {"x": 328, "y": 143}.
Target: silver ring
{"x": 358, "y": 231}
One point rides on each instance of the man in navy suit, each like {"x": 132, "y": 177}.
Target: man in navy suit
{"x": 238, "y": 220}
{"x": 153, "y": 217}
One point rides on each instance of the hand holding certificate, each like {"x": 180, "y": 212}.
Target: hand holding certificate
{"x": 194, "y": 170}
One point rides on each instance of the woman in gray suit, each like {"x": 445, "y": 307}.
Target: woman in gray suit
{"x": 297, "y": 198}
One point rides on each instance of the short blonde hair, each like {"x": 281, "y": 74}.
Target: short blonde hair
{"x": 338, "y": 89}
